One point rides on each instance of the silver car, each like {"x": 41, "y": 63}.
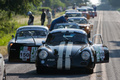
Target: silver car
{"x": 2, "y": 68}
{"x": 23, "y": 47}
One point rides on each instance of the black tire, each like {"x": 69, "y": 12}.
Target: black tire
{"x": 90, "y": 71}
{"x": 9, "y": 59}
{"x": 89, "y": 35}
{"x": 4, "y": 76}
{"x": 38, "y": 70}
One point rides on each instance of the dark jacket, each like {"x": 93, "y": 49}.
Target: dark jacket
{"x": 57, "y": 20}
{"x": 31, "y": 19}
{"x": 43, "y": 16}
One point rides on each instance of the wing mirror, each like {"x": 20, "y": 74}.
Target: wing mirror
{"x": 12, "y": 36}
{"x": 43, "y": 42}
{"x": 90, "y": 42}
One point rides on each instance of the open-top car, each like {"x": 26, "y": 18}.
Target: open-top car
{"x": 84, "y": 12}
{"x": 2, "y": 68}
{"x": 66, "y": 26}
{"x": 70, "y": 49}
{"x": 74, "y": 14}
{"x": 91, "y": 11}
{"x": 26, "y": 42}
{"x": 71, "y": 10}
{"x": 83, "y": 24}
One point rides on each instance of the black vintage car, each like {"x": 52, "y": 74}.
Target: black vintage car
{"x": 69, "y": 49}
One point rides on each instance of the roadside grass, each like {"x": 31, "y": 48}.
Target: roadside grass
{"x": 21, "y": 21}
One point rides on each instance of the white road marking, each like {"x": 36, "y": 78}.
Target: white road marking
{"x": 103, "y": 68}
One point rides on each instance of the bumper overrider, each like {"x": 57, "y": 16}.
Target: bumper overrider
{"x": 52, "y": 64}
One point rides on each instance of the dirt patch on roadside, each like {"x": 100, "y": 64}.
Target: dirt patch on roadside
{"x": 3, "y": 50}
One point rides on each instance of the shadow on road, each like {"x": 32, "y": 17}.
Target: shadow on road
{"x": 33, "y": 74}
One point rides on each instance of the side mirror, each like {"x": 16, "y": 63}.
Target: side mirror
{"x": 43, "y": 42}
{"x": 90, "y": 42}
{"x": 12, "y": 36}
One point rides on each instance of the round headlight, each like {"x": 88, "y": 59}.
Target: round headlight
{"x": 85, "y": 55}
{"x": 43, "y": 54}
{"x": 87, "y": 27}
{"x": 11, "y": 44}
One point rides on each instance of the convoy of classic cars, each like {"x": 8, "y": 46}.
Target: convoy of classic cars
{"x": 66, "y": 47}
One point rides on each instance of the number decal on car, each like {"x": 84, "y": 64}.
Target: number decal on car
{"x": 24, "y": 53}
{"x": 28, "y": 53}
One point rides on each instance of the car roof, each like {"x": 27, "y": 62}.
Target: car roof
{"x": 33, "y": 27}
{"x": 69, "y": 30}
{"x": 66, "y": 24}
{"x": 82, "y": 8}
{"x": 77, "y": 17}
{"x": 73, "y": 12}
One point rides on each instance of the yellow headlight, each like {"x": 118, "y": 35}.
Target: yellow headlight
{"x": 11, "y": 44}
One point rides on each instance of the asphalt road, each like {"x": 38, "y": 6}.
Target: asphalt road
{"x": 107, "y": 23}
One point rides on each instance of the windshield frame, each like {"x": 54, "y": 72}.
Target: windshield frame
{"x": 49, "y": 37}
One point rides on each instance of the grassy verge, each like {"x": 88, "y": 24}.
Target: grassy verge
{"x": 21, "y": 21}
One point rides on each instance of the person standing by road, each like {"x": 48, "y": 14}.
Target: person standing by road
{"x": 49, "y": 17}
{"x": 43, "y": 17}
{"x": 61, "y": 19}
{"x": 31, "y": 18}
{"x": 53, "y": 13}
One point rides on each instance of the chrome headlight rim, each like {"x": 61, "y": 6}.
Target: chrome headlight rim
{"x": 43, "y": 54}
{"x": 85, "y": 55}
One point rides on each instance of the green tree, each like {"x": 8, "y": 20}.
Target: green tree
{"x": 17, "y": 6}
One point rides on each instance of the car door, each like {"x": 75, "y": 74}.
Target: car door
{"x": 101, "y": 50}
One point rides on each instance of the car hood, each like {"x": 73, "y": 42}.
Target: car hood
{"x": 73, "y": 48}
{"x": 84, "y": 25}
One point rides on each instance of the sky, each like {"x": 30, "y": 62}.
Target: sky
{"x": 96, "y": 2}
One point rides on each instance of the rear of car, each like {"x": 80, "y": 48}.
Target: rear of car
{"x": 23, "y": 47}
{"x": 74, "y": 14}
{"x": 84, "y": 12}
{"x": 82, "y": 23}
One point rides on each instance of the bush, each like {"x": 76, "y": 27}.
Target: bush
{"x": 119, "y": 9}
{"x": 40, "y": 8}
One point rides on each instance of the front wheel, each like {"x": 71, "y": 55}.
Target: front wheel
{"x": 90, "y": 71}
{"x": 88, "y": 35}
{"x": 4, "y": 75}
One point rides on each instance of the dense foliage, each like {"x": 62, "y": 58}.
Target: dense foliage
{"x": 62, "y": 3}
{"x": 17, "y": 6}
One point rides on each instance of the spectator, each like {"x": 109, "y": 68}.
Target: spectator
{"x": 43, "y": 17}
{"x": 49, "y": 17}
{"x": 61, "y": 19}
{"x": 31, "y": 18}
{"x": 53, "y": 13}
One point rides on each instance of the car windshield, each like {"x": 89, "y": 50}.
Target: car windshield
{"x": 31, "y": 33}
{"x": 58, "y": 26}
{"x": 57, "y": 38}
{"x": 74, "y": 14}
{"x": 82, "y": 10}
{"x": 79, "y": 21}
{"x": 90, "y": 9}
